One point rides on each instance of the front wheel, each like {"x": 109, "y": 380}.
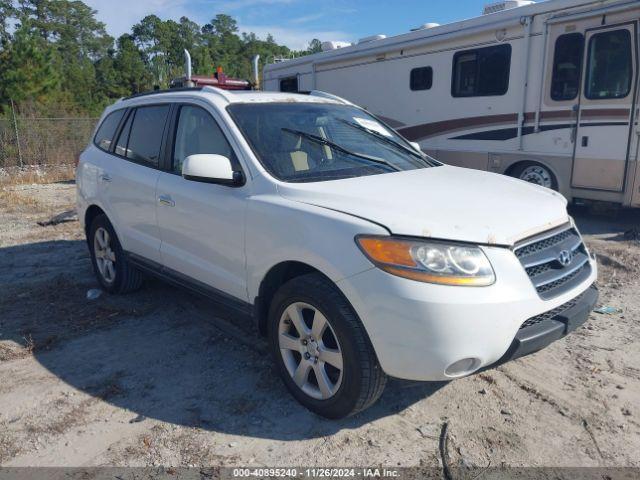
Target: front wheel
{"x": 321, "y": 349}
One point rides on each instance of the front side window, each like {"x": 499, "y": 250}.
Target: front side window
{"x": 197, "y": 132}
{"x": 421, "y": 78}
{"x": 289, "y": 84}
{"x": 567, "y": 65}
{"x": 610, "y": 65}
{"x": 104, "y": 135}
{"x": 481, "y": 72}
{"x": 145, "y": 137}
{"x": 313, "y": 142}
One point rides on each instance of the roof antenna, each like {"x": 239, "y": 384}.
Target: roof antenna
{"x": 187, "y": 68}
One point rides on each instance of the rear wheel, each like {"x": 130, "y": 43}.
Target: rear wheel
{"x": 321, "y": 349}
{"x": 536, "y": 173}
{"x": 114, "y": 272}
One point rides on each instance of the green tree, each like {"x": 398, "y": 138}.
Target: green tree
{"x": 6, "y": 12}
{"x": 60, "y": 56}
{"x": 315, "y": 46}
{"x": 129, "y": 63}
{"x": 224, "y": 25}
{"x": 29, "y": 69}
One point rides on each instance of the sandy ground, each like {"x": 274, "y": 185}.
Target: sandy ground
{"x": 161, "y": 377}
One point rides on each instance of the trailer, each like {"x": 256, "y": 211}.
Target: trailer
{"x": 546, "y": 92}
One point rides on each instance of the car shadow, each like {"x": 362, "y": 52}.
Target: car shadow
{"x": 161, "y": 353}
{"x": 612, "y": 224}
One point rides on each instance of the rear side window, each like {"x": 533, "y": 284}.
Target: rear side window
{"x": 610, "y": 67}
{"x": 421, "y": 78}
{"x": 145, "y": 137}
{"x": 289, "y": 84}
{"x": 197, "y": 132}
{"x": 107, "y": 129}
{"x": 123, "y": 139}
{"x": 567, "y": 65}
{"x": 481, "y": 72}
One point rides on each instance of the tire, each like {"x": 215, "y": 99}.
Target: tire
{"x": 535, "y": 173}
{"x": 121, "y": 277}
{"x": 358, "y": 384}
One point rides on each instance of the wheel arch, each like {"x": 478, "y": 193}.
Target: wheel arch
{"x": 277, "y": 276}
{"x": 92, "y": 212}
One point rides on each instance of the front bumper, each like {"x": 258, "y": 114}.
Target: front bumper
{"x": 425, "y": 332}
{"x": 551, "y": 326}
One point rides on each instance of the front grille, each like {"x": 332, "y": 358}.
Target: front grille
{"x": 553, "y": 313}
{"x": 541, "y": 258}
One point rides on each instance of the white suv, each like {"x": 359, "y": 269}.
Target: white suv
{"x": 356, "y": 254}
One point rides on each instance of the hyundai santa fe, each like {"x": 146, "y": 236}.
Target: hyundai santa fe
{"x": 358, "y": 256}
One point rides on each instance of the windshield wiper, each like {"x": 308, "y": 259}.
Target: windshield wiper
{"x": 387, "y": 140}
{"x": 335, "y": 146}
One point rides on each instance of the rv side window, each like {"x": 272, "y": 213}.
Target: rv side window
{"x": 481, "y": 72}
{"x": 567, "y": 65}
{"x": 421, "y": 78}
{"x": 610, "y": 66}
{"x": 289, "y": 84}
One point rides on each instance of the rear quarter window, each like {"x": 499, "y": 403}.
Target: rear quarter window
{"x": 107, "y": 129}
{"x": 145, "y": 136}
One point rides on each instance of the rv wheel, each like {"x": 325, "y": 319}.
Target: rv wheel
{"x": 536, "y": 173}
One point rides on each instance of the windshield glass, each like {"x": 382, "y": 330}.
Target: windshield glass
{"x": 312, "y": 142}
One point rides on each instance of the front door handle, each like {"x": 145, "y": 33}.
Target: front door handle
{"x": 105, "y": 177}
{"x": 166, "y": 200}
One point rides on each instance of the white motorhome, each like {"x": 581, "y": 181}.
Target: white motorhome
{"x": 546, "y": 92}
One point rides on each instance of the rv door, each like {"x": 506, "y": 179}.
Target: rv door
{"x": 605, "y": 118}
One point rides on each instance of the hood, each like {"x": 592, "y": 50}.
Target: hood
{"x": 441, "y": 202}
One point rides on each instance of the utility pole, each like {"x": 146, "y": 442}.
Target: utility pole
{"x": 15, "y": 127}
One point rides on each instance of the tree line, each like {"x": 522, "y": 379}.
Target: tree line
{"x": 56, "y": 58}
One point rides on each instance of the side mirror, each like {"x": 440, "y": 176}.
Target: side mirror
{"x": 211, "y": 168}
{"x": 416, "y": 146}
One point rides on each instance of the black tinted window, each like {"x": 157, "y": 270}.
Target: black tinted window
{"x": 104, "y": 135}
{"x": 146, "y": 134}
{"x": 610, "y": 66}
{"x": 567, "y": 65}
{"x": 421, "y": 78}
{"x": 289, "y": 84}
{"x": 197, "y": 132}
{"x": 481, "y": 72}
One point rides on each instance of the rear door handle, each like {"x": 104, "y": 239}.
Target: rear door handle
{"x": 166, "y": 200}
{"x": 105, "y": 177}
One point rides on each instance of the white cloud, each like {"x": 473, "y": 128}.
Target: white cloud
{"x": 121, "y": 15}
{"x": 307, "y": 18}
{"x": 294, "y": 38}
{"x": 231, "y": 5}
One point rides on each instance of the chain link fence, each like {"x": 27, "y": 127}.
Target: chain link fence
{"x": 42, "y": 142}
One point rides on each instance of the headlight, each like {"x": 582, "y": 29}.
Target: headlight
{"x": 432, "y": 262}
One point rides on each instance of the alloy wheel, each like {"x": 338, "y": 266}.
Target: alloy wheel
{"x": 105, "y": 256}
{"x": 310, "y": 350}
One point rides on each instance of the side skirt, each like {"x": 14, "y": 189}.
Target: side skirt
{"x": 232, "y": 304}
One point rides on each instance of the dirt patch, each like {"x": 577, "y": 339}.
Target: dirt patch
{"x": 163, "y": 377}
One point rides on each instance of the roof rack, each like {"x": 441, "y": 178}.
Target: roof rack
{"x": 169, "y": 90}
{"x": 218, "y": 91}
{"x": 320, "y": 93}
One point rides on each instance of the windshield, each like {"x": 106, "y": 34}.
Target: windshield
{"x": 313, "y": 142}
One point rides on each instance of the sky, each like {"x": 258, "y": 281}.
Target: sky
{"x": 295, "y": 22}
